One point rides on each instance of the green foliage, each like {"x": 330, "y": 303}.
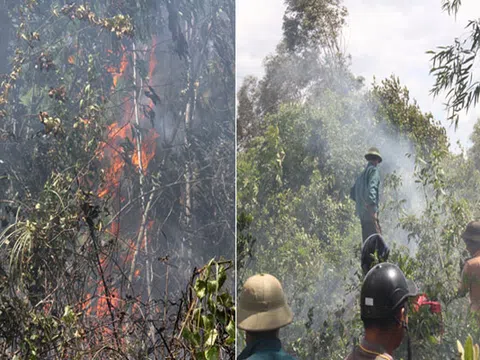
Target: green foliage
{"x": 245, "y": 240}
{"x": 393, "y": 106}
{"x": 308, "y": 24}
{"x": 209, "y": 325}
{"x": 295, "y": 218}
{"x": 451, "y": 6}
{"x": 119, "y": 24}
{"x": 247, "y": 121}
{"x": 474, "y": 151}
{"x": 468, "y": 352}
{"x": 453, "y": 66}
{"x": 37, "y": 329}
{"x": 77, "y": 76}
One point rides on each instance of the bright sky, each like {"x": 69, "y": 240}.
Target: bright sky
{"x": 383, "y": 37}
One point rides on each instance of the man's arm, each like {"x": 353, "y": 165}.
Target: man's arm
{"x": 373, "y": 184}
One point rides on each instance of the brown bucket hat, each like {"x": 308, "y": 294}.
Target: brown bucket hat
{"x": 373, "y": 153}
{"x": 472, "y": 231}
{"x": 262, "y": 305}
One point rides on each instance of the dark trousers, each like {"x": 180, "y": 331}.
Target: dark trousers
{"x": 369, "y": 227}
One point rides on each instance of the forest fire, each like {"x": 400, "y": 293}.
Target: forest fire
{"x": 102, "y": 310}
{"x": 112, "y": 152}
{"x": 124, "y": 148}
{"x": 101, "y": 139}
{"x": 147, "y": 151}
{"x": 121, "y": 139}
{"x": 120, "y": 71}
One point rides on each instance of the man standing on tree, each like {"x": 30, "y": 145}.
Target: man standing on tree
{"x": 365, "y": 193}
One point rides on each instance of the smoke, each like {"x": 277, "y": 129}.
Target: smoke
{"x": 195, "y": 154}
{"x": 398, "y": 169}
{"x": 324, "y": 292}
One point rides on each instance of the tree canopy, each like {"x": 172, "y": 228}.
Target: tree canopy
{"x": 455, "y": 67}
{"x": 305, "y": 126}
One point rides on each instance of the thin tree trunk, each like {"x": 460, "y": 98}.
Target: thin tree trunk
{"x": 189, "y": 111}
{"x": 188, "y": 189}
{"x": 143, "y": 231}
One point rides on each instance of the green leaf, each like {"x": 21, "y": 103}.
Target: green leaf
{"x": 211, "y": 338}
{"x": 222, "y": 277}
{"x": 26, "y": 99}
{"x": 212, "y": 286}
{"x": 469, "y": 348}
{"x": 212, "y": 353}
{"x": 207, "y": 322}
{"x": 231, "y": 329}
{"x": 200, "y": 288}
{"x": 191, "y": 338}
{"x": 225, "y": 299}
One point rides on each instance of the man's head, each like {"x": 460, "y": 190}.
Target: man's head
{"x": 385, "y": 292}
{"x": 373, "y": 156}
{"x": 391, "y": 329}
{"x": 262, "y": 307}
{"x": 471, "y": 236}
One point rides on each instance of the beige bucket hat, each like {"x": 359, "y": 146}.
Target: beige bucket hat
{"x": 372, "y": 153}
{"x": 472, "y": 231}
{"x": 262, "y": 305}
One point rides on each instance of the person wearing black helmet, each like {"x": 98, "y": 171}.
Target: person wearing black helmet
{"x": 383, "y": 307}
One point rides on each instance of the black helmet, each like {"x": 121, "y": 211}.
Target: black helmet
{"x": 384, "y": 289}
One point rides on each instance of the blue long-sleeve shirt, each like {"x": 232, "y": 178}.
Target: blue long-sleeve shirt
{"x": 365, "y": 192}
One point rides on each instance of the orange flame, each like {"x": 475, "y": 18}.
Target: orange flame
{"x": 114, "y": 228}
{"x": 71, "y": 59}
{"x": 102, "y": 305}
{"x": 111, "y": 69}
{"x": 123, "y": 67}
{"x": 113, "y": 151}
{"x": 147, "y": 151}
{"x": 120, "y": 71}
{"x": 117, "y": 153}
{"x": 152, "y": 63}
{"x": 117, "y": 136}
{"x": 150, "y": 224}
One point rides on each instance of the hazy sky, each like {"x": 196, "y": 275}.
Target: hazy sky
{"x": 383, "y": 37}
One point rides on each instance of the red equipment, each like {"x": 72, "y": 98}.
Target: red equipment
{"x": 435, "y": 306}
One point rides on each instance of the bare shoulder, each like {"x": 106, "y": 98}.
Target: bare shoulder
{"x": 471, "y": 264}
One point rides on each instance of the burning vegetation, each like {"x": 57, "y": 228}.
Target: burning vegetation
{"x": 122, "y": 186}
